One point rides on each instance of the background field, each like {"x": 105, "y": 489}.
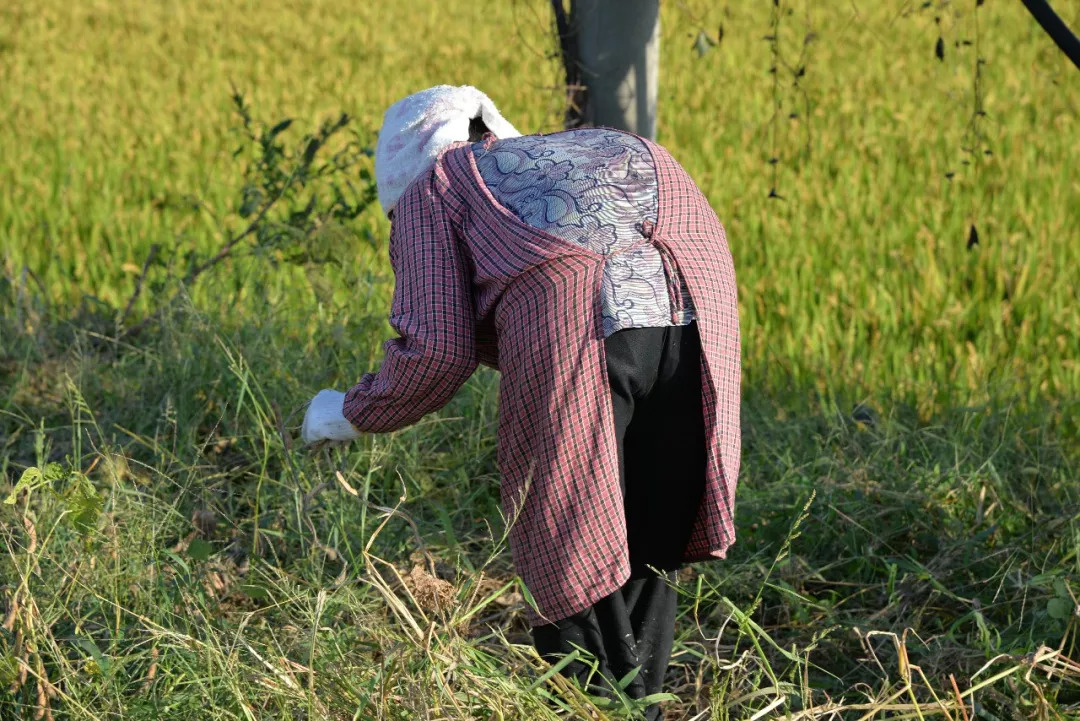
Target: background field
{"x": 185, "y": 561}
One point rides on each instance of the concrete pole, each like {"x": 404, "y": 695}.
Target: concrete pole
{"x": 618, "y": 42}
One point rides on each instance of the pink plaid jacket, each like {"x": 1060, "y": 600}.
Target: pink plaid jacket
{"x": 475, "y": 284}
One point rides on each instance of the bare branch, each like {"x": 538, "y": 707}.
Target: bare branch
{"x": 1056, "y": 28}
{"x": 139, "y": 284}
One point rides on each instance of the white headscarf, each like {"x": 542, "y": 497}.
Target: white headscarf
{"x": 417, "y": 128}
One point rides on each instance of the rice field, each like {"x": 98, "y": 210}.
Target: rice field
{"x": 908, "y": 507}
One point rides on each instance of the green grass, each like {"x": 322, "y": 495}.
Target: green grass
{"x": 946, "y": 518}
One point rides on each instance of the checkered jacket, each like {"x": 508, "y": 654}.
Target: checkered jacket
{"x": 475, "y": 284}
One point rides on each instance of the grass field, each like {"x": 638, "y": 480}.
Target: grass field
{"x": 183, "y": 559}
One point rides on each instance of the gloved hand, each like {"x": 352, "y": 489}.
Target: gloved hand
{"x": 325, "y": 420}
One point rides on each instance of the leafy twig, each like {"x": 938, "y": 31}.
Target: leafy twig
{"x": 194, "y": 273}
{"x": 276, "y": 178}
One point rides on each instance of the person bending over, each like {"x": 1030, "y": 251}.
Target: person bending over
{"x": 588, "y": 268}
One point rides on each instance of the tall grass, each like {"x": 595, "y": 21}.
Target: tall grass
{"x": 879, "y": 561}
{"x": 915, "y": 557}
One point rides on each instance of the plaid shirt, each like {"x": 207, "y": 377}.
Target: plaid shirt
{"x": 475, "y": 284}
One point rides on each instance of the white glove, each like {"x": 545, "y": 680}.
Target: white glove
{"x": 325, "y": 419}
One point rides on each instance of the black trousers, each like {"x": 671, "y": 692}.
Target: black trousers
{"x": 655, "y": 379}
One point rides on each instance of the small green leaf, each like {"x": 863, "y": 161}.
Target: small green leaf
{"x": 280, "y": 127}
{"x": 527, "y": 595}
{"x": 31, "y": 478}
{"x": 658, "y": 697}
{"x": 1060, "y": 588}
{"x": 86, "y": 505}
{"x": 100, "y": 659}
{"x": 255, "y": 592}
{"x": 177, "y": 560}
{"x": 199, "y": 549}
{"x": 626, "y": 680}
{"x": 252, "y": 198}
{"x": 309, "y": 152}
{"x": 54, "y": 472}
{"x": 1058, "y": 608}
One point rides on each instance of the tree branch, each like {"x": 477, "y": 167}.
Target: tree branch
{"x": 1056, "y": 28}
{"x": 138, "y": 284}
{"x": 223, "y": 253}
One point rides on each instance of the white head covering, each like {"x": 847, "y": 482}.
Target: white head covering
{"x": 417, "y": 128}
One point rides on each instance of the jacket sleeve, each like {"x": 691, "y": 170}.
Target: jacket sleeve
{"x": 432, "y": 313}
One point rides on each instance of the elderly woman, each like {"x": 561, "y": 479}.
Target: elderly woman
{"x": 588, "y": 268}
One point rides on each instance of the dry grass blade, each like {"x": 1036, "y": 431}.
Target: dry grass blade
{"x": 151, "y": 672}
{"x": 959, "y": 699}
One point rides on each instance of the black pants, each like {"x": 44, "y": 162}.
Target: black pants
{"x": 655, "y": 379}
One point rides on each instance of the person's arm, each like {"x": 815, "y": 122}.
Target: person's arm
{"x": 432, "y": 313}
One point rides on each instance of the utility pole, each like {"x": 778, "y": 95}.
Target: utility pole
{"x": 611, "y": 53}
